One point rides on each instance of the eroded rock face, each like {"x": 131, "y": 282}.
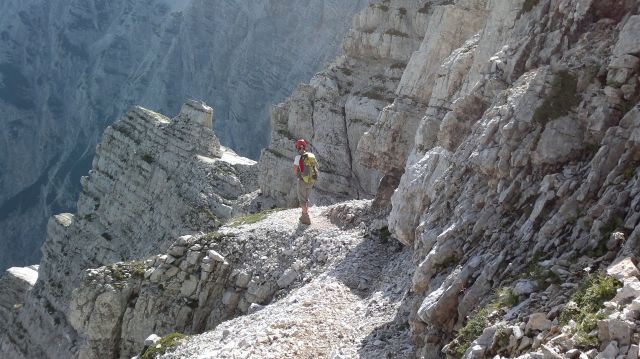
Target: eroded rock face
{"x": 153, "y": 178}
{"x": 526, "y": 146}
{"x": 341, "y": 103}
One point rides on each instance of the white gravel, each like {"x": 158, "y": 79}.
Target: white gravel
{"x": 353, "y": 308}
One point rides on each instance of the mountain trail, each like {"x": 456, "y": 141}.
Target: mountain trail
{"x": 352, "y": 308}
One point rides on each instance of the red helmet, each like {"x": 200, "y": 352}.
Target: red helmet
{"x": 301, "y": 143}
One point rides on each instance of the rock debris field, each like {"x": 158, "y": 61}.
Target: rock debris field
{"x": 351, "y": 308}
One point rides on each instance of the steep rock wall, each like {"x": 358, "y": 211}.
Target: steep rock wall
{"x": 526, "y": 152}
{"x": 341, "y": 103}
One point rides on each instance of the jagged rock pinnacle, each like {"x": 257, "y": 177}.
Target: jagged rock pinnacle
{"x": 197, "y": 112}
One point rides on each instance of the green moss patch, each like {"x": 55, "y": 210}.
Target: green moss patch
{"x": 469, "y": 332}
{"x": 217, "y": 236}
{"x": 253, "y": 218}
{"x": 161, "y": 347}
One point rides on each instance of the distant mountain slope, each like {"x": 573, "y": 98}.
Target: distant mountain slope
{"x": 67, "y": 69}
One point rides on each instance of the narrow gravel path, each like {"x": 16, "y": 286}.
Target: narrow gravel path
{"x": 352, "y": 309}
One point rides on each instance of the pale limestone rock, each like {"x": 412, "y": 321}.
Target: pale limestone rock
{"x": 288, "y": 277}
{"x": 154, "y": 54}
{"x": 387, "y": 144}
{"x": 630, "y": 289}
{"x": 151, "y": 339}
{"x": 215, "y": 256}
{"x": 628, "y": 41}
{"x": 550, "y": 353}
{"x": 524, "y": 286}
{"x": 611, "y": 351}
{"x": 444, "y": 34}
{"x": 615, "y": 329}
{"x": 417, "y": 187}
{"x": 560, "y": 141}
{"x": 440, "y": 305}
{"x": 623, "y": 269}
{"x": 198, "y": 112}
{"x": 148, "y": 182}
{"x": 538, "y": 321}
{"x": 15, "y": 283}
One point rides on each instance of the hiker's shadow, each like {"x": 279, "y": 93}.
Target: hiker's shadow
{"x": 301, "y": 228}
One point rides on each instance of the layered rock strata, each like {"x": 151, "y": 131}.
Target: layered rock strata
{"x": 153, "y": 178}
{"x": 514, "y": 136}
{"x": 341, "y": 103}
{"x": 526, "y": 152}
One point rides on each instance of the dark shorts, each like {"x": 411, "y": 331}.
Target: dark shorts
{"x": 304, "y": 190}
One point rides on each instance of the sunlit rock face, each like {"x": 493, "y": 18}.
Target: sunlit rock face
{"x": 342, "y": 102}
{"x": 153, "y": 178}
{"x": 68, "y": 69}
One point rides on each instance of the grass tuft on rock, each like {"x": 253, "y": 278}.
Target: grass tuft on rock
{"x": 217, "y": 236}
{"x": 585, "y": 305}
{"x": 161, "y": 347}
{"x": 253, "y": 218}
{"x": 505, "y": 299}
{"x": 384, "y": 234}
{"x": 380, "y": 6}
{"x": 469, "y": 332}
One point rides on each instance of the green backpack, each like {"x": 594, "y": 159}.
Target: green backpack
{"x": 308, "y": 167}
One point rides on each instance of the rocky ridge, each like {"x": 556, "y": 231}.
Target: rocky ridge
{"x": 140, "y": 188}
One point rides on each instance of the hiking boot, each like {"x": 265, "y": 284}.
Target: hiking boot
{"x": 304, "y": 219}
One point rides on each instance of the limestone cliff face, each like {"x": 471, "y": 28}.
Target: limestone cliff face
{"x": 526, "y": 149}
{"x": 138, "y": 197}
{"x": 341, "y": 103}
{"x": 510, "y": 136}
{"x": 68, "y": 69}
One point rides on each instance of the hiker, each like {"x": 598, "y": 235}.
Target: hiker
{"x": 306, "y": 171}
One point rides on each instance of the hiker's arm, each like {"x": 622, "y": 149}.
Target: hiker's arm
{"x": 295, "y": 170}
